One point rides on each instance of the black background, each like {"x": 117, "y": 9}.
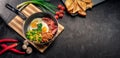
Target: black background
{"x": 95, "y": 36}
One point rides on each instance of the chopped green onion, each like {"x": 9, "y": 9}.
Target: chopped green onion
{"x": 40, "y": 3}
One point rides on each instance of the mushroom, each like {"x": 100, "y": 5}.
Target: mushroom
{"x": 29, "y": 50}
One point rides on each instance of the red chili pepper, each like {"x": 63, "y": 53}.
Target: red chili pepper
{"x": 12, "y": 49}
{"x": 8, "y": 40}
{"x": 9, "y": 47}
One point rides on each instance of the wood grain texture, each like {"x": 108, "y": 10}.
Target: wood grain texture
{"x": 17, "y": 24}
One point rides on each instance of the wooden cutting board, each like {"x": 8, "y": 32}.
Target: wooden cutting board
{"x": 17, "y": 24}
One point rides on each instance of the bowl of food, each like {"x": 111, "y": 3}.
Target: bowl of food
{"x": 40, "y": 28}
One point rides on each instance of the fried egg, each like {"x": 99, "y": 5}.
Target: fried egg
{"x": 35, "y": 22}
{"x": 45, "y": 27}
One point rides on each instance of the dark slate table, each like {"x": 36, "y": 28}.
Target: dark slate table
{"x": 95, "y": 36}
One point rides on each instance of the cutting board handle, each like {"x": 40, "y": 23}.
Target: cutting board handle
{"x": 15, "y": 11}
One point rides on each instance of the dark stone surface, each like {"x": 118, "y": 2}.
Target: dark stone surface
{"x": 95, "y": 36}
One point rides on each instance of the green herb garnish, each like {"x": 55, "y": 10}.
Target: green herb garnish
{"x": 35, "y": 34}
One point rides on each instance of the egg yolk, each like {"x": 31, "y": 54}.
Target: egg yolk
{"x": 34, "y": 24}
{"x": 44, "y": 29}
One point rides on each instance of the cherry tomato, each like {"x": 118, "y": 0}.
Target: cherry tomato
{"x": 57, "y": 13}
{"x": 61, "y": 11}
{"x": 60, "y": 6}
{"x": 56, "y": 16}
{"x": 61, "y": 15}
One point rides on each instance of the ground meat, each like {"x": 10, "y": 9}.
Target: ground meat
{"x": 46, "y": 36}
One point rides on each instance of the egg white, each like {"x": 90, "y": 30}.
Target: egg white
{"x": 39, "y": 21}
